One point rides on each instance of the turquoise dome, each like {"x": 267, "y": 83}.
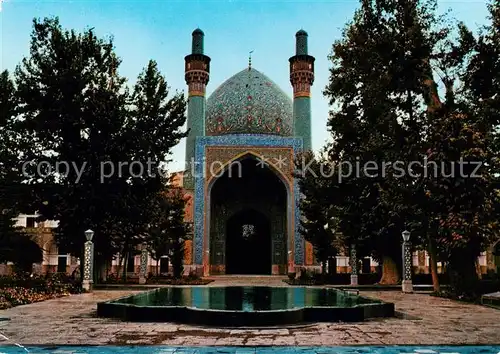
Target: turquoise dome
{"x": 249, "y": 103}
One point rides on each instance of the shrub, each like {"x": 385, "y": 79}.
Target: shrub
{"x": 193, "y": 275}
{"x": 305, "y": 275}
{"x": 21, "y": 289}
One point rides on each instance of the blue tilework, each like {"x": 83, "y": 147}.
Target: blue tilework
{"x": 254, "y": 350}
{"x": 250, "y": 103}
{"x": 302, "y": 120}
{"x": 250, "y": 140}
{"x": 196, "y": 127}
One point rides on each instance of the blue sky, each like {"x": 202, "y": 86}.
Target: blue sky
{"x": 161, "y": 30}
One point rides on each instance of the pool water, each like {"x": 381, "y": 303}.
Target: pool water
{"x": 255, "y": 350}
{"x": 246, "y": 299}
{"x": 251, "y": 306}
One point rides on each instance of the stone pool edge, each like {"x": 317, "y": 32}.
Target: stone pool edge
{"x": 229, "y": 318}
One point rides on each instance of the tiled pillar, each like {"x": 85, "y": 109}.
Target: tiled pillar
{"x": 354, "y": 266}
{"x": 144, "y": 265}
{"x": 407, "y": 285}
{"x": 88, "y": 266}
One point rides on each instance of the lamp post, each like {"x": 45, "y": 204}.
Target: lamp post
{"x": 144, "y": 264}
{"x": 354, "y": 266}
{"x": 407, "y": 285}
{"x": 88, "y": 261}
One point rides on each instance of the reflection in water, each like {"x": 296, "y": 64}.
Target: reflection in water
{"x": 245, "y": 298}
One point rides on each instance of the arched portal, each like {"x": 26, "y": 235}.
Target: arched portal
{"x": 248, "y": 220}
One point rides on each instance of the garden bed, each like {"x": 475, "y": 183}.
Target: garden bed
{"x": 22, "y": 290}
{"x": 487, "y": 285}
{"x": 308, "y": 278}
{"x": 181, "y": 282}
{"x": 158, "y": 280}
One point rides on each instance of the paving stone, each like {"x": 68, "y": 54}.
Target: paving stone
{"x": 280, "y": 332}
{"x": 260, "y": 340}
{"x": 284, "y": 340}
{"x": 230, "y": 341}
{"x": 71, "y": 320}
{"x": 174, "y": 341}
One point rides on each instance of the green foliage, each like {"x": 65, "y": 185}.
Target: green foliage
{"x": 168, "y": 231}
{"x": 465, "y": 127}
{"x": 77, "y": 109}
{"x": 15, "y": 246}
{"x": 317, "y": 224}
{"x": 377, "y": 98}
{"x": 386, "y": 108}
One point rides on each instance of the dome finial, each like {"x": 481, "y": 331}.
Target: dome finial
{"x": 250, "y": 60}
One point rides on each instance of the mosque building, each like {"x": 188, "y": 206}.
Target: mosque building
{"x": 243, "y": 197}
{"x": 239, "y": 165}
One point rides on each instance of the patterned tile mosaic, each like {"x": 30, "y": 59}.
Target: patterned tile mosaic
{"x": 249, "y": 102}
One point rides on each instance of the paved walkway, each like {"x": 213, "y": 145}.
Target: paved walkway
{"x": 157, "y": 349}
{"x": 427, "y": 320}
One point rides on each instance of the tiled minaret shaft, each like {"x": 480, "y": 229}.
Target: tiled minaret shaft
{"x": 197, "y": 73}
{"x": 302, "y": 78}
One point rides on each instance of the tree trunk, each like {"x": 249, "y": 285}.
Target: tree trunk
{"x": 390, "y": 272}
{"x": 433, "y": 263}
{"x": 433, "y": 101}
{"x": 463, "y": 273}
{"x": 119, "y": 267}
{"x": 104, "y": 271}
{"x": 82, "y": 263}
{"x": 478, "y": 270}
{"x": 125, "y": 265}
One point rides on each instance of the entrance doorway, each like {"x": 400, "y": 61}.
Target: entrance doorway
{"x": 248, "y": 220}
{"x": 248, "y": 243}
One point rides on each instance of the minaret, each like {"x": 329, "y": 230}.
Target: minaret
{"x": 302, "y": 78}
{"x": 197, "y": 72}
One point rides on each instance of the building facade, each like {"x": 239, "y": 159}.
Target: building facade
{"x": 243, "y": 202}
{"x": 239, "y": 165}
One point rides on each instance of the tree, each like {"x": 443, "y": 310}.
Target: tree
{"x": 317, "y": 223}
{"x": 7, "y": 162}
{"x": 168, "y": 231}
{"x": 178, "y": 230}
{"x": 372, "y": 87}
{"x": 388, "y": 108}
{"x": 72, "y": 109}
{"x": 468, "y": 131}
{"x": 15, "y": 246}
{"x": 93, "y": 148}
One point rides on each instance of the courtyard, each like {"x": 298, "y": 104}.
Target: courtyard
{"x": 421, "y": 319}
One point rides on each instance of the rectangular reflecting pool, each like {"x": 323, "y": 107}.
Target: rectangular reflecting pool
{"x": 247, "y": 298}
{"x": 244, "y": 306}
{"x": 255, "y": 350}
